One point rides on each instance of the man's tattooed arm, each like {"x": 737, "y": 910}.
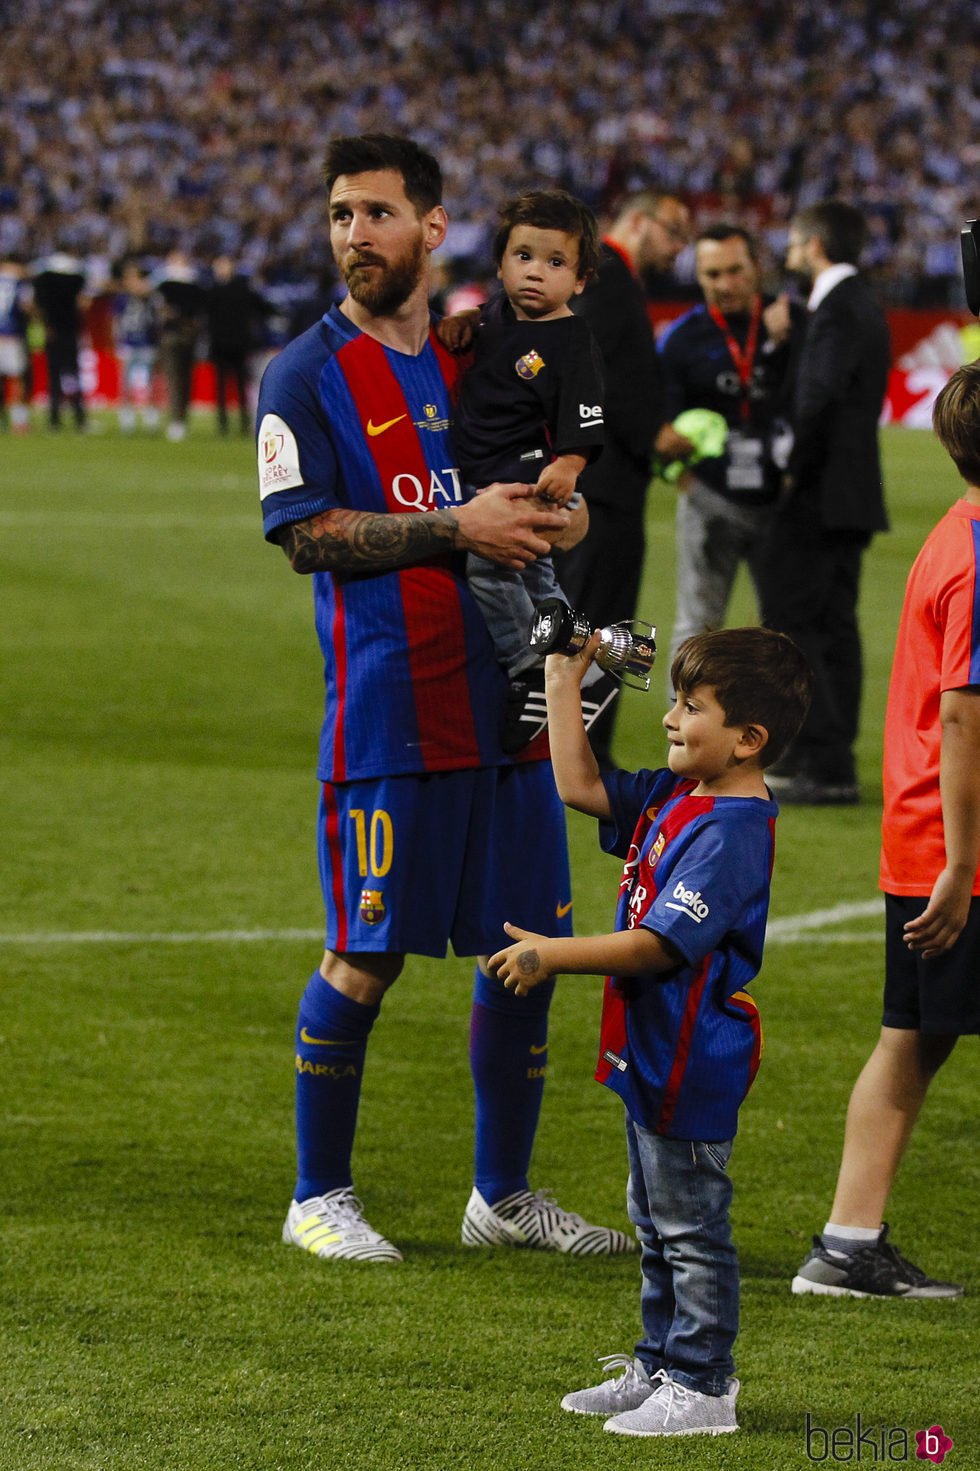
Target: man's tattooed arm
{"x": 363, "y": 541}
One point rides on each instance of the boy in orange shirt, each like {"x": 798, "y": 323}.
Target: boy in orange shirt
{"x": 930, "y": 873}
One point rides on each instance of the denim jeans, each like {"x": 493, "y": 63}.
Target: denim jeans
{"x": 678, "y": 1199}
{"x": 508, "y": 599}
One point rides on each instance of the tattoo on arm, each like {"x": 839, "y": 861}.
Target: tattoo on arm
{"x": 365, "y": 541}
{"x": 528, "y": 962}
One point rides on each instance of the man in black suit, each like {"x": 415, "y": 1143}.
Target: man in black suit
{"x": 834, "y": 500}
{"x": 601, "y": 576}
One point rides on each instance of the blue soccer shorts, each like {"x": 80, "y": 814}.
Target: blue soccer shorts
{"x": 411, "y": 864}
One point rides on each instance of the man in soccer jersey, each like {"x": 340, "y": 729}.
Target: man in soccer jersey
{"x": 427, "y": 832}
{"x": 15, "y": 300}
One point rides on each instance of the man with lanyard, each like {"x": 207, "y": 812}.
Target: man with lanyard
{"x": 731, "y": 355}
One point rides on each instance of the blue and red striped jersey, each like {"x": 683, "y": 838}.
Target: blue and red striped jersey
{"x": 681, "y": 1048}
{"x": 412, "y": 684}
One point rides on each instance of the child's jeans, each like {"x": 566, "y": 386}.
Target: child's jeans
{"x": 678, "y": 1198}
{"x": 507, "y": 598}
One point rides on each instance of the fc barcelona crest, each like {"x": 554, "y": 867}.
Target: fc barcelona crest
{"x": 530, "y": 364}
{"x": 373, "y": 906}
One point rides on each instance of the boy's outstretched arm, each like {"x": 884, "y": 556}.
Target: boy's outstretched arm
{"x": 939, "y": 925}
{"x": 576, "y": 770}
{"x": 536, "y": 958}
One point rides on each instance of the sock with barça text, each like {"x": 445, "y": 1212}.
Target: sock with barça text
{"x": 331, "y": 1041}
{"x": 508, "y": 1057}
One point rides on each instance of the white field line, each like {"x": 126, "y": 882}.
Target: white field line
{"x": 817, "y": 926}
{"x": 165, "y": 937}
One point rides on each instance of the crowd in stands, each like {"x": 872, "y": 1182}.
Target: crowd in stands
{"x": 200, "y": 124}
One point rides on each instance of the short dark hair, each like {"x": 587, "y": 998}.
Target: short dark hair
{"x": 758, "y": 677}
{"x": 367, "y": 152}
{"x": 721, "y": 231}
{"x": 552, "y": 209}
{"x": 956, "y": 420}
{"x": 841, "y": 229}
{"x": 647, "y": 201}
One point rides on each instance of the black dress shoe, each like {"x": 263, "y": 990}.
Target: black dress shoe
{"x": 810, "y": 791}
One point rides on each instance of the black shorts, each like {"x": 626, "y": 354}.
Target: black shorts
{"x": 940, "y": 996}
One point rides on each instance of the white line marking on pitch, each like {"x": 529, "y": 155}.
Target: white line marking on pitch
{"x": 172, "y": 937}
{"x": 790, "y": 928}
{"x": 784, "y": 931}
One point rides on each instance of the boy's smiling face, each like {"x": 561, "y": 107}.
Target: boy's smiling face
{"x": 539, "y": 271}
{"x": 702, "y": 746}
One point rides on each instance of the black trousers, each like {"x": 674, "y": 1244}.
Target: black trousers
{"x": 64, "y": 381}
{"x": 231, "y": 368}
{"x": 810, "y": 585}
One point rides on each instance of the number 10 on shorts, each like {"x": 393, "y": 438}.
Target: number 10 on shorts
{"x": 375, "y": 841}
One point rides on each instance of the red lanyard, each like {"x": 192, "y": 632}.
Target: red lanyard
{"x": 743, "y": 360}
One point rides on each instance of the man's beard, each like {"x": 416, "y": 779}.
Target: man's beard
{"x": 386, "y": 288}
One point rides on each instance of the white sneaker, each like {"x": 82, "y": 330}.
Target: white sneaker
{"x": 531, "y": 1218}
{"x": 176, "y": 431}
{"x": 673, "y": 1409}
{"x": 614, "y": 1396}
{"x": 334, "y": 1226}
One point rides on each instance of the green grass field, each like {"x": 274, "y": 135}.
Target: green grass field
{"x": 160, "y": 699}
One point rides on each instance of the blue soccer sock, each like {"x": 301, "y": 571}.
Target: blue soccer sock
{"x": 331, "y": 1041}
{"x": 508, "y": 1057}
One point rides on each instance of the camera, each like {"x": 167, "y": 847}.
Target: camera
{"x": 627, "y": 650}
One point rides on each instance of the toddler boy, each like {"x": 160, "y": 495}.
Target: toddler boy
{"x": 530, "y": 410}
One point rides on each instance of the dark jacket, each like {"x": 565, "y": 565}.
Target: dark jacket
{"x": 614, "y": 305}
{"x": 840, "y": 385}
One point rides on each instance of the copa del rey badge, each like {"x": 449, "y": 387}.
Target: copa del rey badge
{"x": 531, "y": 363}
{"x": 278, "y": 456}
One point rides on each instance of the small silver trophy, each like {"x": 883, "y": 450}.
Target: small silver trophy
{"x": 627, "y": 650}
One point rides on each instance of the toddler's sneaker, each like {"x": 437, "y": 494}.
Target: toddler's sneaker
{"x": 673, "y": 1409}
{"x": 333, "y": 1225}
{"x": 525, "y": 712}
{"x": 531, "y": 1218}
{"x": 626, "y": 1391}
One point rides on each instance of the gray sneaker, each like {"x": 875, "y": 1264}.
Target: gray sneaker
{"x": 877, "y": 1270}
{"x": 625, "y": 1392}
{"x": 673, "y": 1409}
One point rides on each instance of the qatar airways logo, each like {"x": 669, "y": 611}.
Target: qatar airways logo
{"x": 689, "y": 903}
{"x": 443, "y": 489}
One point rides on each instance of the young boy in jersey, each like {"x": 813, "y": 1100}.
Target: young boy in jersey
{"x": 530, "y": 410}
{"x": 680, "y": 1037}
{"x": 930, "y": 874}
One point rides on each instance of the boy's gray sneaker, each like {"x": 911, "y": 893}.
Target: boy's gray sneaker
{"x": 626, "y": 1391}
{"x": 673, "y": 1409}
{"x": 877, "y": 1270}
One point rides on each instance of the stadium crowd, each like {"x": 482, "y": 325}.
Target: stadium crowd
{"x": 201, "y": 124}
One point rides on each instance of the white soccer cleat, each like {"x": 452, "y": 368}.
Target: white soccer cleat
{"x": 531, "y": 1218}
{"x": 334, "y": 1226}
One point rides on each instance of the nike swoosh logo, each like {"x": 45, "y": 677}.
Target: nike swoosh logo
{"x": 540, "y": 1049}
{"x": 304, "y": 1036}
{"x": 374, "y": 429}
{"x": 563, "y": 909}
